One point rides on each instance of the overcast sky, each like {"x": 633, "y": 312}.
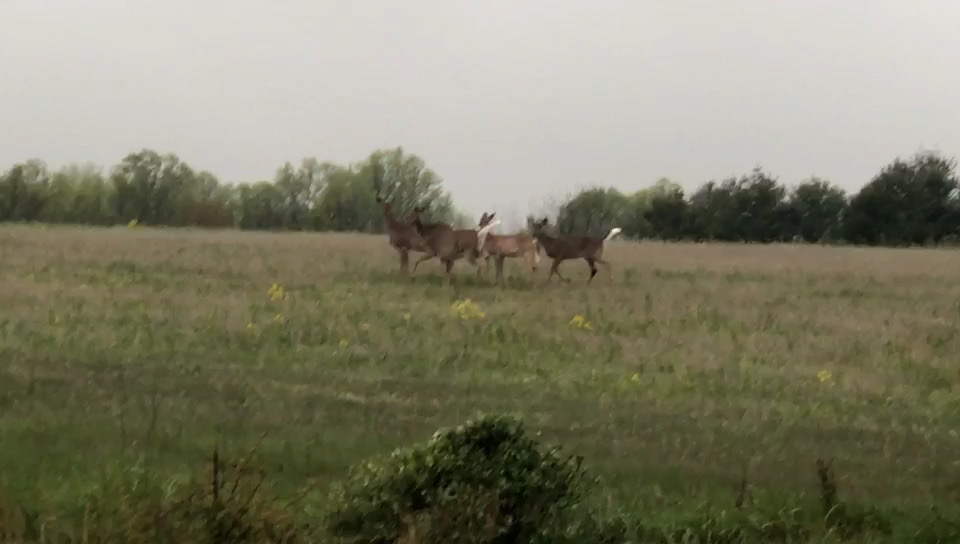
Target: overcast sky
{"x": 510, "y": 101}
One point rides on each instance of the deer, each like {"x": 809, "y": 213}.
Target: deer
{"x": 449, "y": 244}
{"x": 561, "y": 248}
{"x": 502, "y": 246}
{"x": 403, "y": 235}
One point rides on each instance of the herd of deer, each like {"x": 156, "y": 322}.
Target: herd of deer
{"x": 449, "y": 244}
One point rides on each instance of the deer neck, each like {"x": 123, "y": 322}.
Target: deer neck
{"x": 544, "y": 238}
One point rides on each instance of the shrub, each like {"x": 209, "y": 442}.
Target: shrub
{"x": 484, "y": 481}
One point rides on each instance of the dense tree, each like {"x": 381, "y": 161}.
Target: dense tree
{"x": 592, "y": 211}
{"x": 299, "y": 189}
{"x": 712, "y": 212}
{"x": 409, "y": 182}
{"x": 759, "y": 204}
{"x": 815, "y": 209}
{"x": 639, "y": 209}
{"x": 667, "y": 213}
{"x": 260, "y": 206}
{"x": 151, "y": 188}
{"x": 908, "y": 202}
{"x": 348, "y": 202}
{"x": 77, "y": 194}
{"x": 23, "y": 191}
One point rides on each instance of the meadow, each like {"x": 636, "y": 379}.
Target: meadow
{"x": 692, "y": 365}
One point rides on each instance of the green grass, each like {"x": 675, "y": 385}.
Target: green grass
{"x": 137, "y": 347}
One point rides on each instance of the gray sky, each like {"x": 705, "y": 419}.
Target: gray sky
{"x": 510, "y": 101}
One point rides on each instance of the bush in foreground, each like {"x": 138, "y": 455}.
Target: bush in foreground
{"x": 485, "y": 481}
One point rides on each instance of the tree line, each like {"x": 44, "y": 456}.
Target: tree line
{"x": 149, "y": 188}
{"x": 910, "y": 201}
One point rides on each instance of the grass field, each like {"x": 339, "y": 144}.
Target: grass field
{"x": 143, "y": 347}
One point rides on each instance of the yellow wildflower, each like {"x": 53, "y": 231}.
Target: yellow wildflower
{"x": 824, "y": 376}
{"x": 468, "y": 309}
{"x": 344, "y": 343}
{"x": 580, "y": 322}
{"x": 276, "y": 292}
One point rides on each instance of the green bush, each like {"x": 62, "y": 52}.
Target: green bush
{"x": 484, "y": 481}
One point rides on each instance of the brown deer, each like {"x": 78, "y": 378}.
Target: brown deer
{"x": 403, "y": 235}
{"x": 562, "y": 248}
{"x": 501, "y": 246}
{"x": 448, "y": 244}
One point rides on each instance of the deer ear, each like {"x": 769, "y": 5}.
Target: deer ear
{"x": 491, "y": 215}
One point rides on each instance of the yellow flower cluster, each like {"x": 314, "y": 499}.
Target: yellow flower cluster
{"x": 467, "y": 309}
{"x": 276, "y": 293}
{"x": 824, "y": 376}
{"x": 580, "y": 322}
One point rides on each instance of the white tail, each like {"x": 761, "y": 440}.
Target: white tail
{"x": 483, "y": 232}
{"x": 613, "y": 232}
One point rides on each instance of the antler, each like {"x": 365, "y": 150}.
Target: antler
{"x": 377, "y": 175}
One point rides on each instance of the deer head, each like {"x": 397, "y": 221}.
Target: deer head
{"x": 539, "y": 226}
{"x": 416, "y": 215}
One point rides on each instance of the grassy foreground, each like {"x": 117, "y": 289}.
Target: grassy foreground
{"x": 136, "y": 347}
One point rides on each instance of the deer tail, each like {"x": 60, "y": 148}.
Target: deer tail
{"x": 483, "y": 232}
{"x": 613, "y": 232}
{"x": 536, "y": 251}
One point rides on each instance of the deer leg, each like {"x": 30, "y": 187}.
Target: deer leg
{"x": 593, "y": 269}
{"x": 500, "y": 259}
{"x": 482, "y": 266}
{"x": 422, "y": 258}
{"x": 404, "y": 260}
{"x": 448, "y": 263}
{"x": 555, "y": 269}
{"x": 607, "y": 266}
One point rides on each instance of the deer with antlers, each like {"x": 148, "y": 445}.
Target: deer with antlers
{"x": 449, "y": 244}
{"x": 403, "y": 235}
{"x": 562, "y": 248}
{"x": 502, "y": 246}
